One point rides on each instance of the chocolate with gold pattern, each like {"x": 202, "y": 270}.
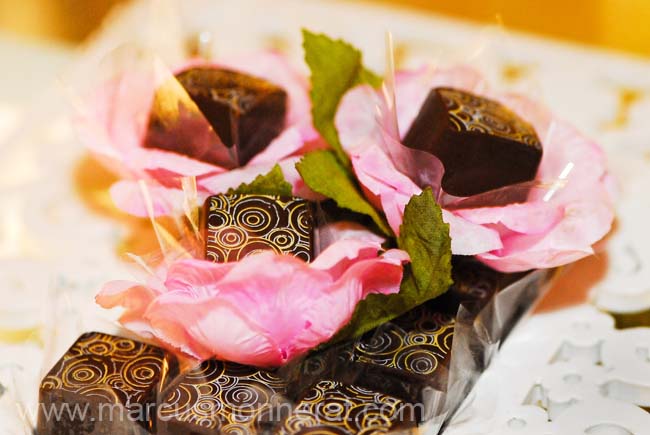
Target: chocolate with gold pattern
{"x": 336, "y": 408}
{"x": 405, "y": 355}
{"x": 241, "y": 225}
{"x": 482, "y": 144}
{"x": 112, "y": 382}
{"x": 222, "y": 398}
{"x": 418, "y": 342}
{"x": 246, "y": 112}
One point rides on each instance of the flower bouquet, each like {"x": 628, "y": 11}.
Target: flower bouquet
{"x": 348, "y": 250}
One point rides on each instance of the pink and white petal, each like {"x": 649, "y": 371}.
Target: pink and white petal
{"x": 198, "y": 278}
{"x": 393, "y": 204}
{"x": 220, "y": 183}
{"x": 528, "y": 218}
{"x": 209, "y": 327}
{"x": 584, "y": 223}
{"x": 335, "y": 307}
{"x": 290, "y": 141}
{"x": 357, "y": 119}
{"x": 131, "y": 296}
{"x": 468, "y": 238}
{"x": 127, "y": 196}
{"x": 338, "y": 257}
{"x": 175, "y": 164}
{"x": 347, "y": 230}
{"x": 167, "y": 317}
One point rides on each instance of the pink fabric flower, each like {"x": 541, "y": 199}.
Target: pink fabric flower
{"x": 113, "y": 122}
{"x": 557, "y": 225}
{"x": 263, "y": 310}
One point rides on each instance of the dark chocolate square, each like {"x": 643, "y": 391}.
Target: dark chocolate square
{"x": 482, "y": 144}
{"x": 224, "y": 398}
{"x": 419, "y": 342}
{"x": 332, "y": 407}
{"x": 246, "y": 112}
{"x": 109, "y": 384}
{"x": 241, "y": 225}
{"x": 406, "y": 355}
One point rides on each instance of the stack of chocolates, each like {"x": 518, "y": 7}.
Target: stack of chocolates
{"x": 375, "y": 383}
{"x": 370, "y": 385}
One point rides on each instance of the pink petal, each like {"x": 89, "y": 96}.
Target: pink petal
{"x": 584, "y": 223}
{"x": 220, "y": 183}
{"x": 262, "y": 310}
{"x": 527, "y": 218}
{"x": 209, "y": 327}
{"x": 175, "y": 165}
{"x": 468, "y": 238}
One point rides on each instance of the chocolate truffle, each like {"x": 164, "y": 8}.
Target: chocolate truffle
{"x": 335, "y": 408}
{"x": 108, "y": 384}
{"x": 246, "y": 112}
{"x": 482, "y": 144}
{"x": 241, "y": 225}
{"x": 222, "y": 398}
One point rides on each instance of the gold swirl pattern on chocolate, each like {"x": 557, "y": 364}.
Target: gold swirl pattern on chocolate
{"x": 418, "y": 342}
{"x": 111, "y": 369}
{"x": 242, "y": 225}
{"x": 336, "y": 408}
{"x": 471, "y": 113}
{"x": 225, "y": 397}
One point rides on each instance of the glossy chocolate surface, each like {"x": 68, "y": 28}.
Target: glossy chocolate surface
{"x": 246, "y": 112}
{"x": 332, "y": 407}
{"x": 482, "y": 144}
{"x": 222, "y": 398}
{"x": 241, "y": 225}
{"x": 112, "y": 382}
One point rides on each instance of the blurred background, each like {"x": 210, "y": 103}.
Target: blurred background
{"x": 616, "y": 24}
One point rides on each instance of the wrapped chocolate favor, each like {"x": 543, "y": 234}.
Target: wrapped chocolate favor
{"x": 245, "y": 114}
{"x": 378, "y": 321}
{"x": 104, "y": 384}
{"x": 482, "y": 144}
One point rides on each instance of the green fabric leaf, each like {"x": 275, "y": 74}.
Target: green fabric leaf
{"x": 272, "y": 183}
{"x": 336, "y": 66}
{"x": 325, "y": 174}
{"x": 425, "y": 237}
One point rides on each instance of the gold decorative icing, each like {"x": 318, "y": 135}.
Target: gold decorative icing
{"x": 225, "y": 397}
{"x": 471, "y": 113}
{"x": 336, "y": 408}
{"x": 241, "y": 225}
{"x": 116, "y": 369}
{"x": 418, "y": 342}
